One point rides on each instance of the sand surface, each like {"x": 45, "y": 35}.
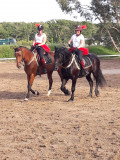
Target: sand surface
{"x": 50, "y": 128}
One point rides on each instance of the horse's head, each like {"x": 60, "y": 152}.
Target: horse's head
{"x": 19, "y": 56}
{"x": 60, "y": 56}
{"x": 23, "y": 55}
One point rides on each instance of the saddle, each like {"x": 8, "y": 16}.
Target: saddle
{"x": 86, "y": 60}
{"x": 47, "y": 57}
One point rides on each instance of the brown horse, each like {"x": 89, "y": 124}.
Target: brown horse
{"x": 31, "y": 65}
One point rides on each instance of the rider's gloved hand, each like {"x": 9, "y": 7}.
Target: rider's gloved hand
{"x": 76, "y": 49}
{"x": 36, "y": 45}
{"x": 70, "y": 45}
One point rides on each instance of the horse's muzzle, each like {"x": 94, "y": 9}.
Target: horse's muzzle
{"x": 55, "y": 67}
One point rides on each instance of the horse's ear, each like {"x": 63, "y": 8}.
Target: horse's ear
{"x": 66, "y": 50}
{"x": 55, "y": 48}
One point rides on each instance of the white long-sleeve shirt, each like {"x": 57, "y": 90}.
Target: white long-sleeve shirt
{"x": 77, "y": 40}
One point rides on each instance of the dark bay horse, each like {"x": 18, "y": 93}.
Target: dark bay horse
{"x": 25, "y": 55}
{"x": 71, "y": 69}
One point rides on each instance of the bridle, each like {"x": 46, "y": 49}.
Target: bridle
{"x": 22, "y": 61}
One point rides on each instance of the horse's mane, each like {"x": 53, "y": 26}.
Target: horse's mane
{"x": 21, "y": 47}
{"x": 62, "y": 50}
{"x": 24, "y": 47}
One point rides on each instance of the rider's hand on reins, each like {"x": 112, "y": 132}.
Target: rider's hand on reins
{"x": 70, "y": 45}
{"x": 76, "y": 49}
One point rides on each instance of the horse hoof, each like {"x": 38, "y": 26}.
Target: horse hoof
{"x": 70, "y": 100}
{"x": 90, "y": 95}
{"x": 26, "y": 99}
{"x": 67, "y": 93}
{"x": 49, "y": 92}
{"x": 97, "y": 93}
{"x": 37, "y": 93}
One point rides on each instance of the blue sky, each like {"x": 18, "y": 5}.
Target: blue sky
{"x": 33, "y": 11}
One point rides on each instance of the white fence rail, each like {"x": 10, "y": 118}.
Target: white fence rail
{"x": 4, "y": 59}
{"x": 117, "y": 55}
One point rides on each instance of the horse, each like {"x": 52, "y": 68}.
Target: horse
{"x": 71, "y": 68}
{"x": 31, "y": 65}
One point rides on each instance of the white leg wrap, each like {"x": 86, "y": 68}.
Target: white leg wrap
{"x": 26, "y": 99}
{"x": 36, "y": 92}
{"x": 49, "y": 92}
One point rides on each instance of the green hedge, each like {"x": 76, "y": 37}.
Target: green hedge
{"x": 100, "y": 50}
{"x": 7, "y": 51}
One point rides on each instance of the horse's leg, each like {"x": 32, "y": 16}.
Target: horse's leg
{"x": 97, "y": 83}
{"x": 34, "y": 92}
{"x": 88, "y": 77}
{"x": 63, "y": 89}
{"x": 96, "y": 88}
{"x": 49, "y": 75}
{"x": 73, "y": 89}
{"x": 30, "y": 82}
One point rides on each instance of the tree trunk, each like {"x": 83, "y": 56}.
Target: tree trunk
{"x": 113, "y": 41}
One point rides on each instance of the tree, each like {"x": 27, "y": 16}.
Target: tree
{"x": 108, "y": 14}
{"x": 106, "y": 11}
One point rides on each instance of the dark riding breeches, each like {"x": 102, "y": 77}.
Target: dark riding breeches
{"x": 40, "y": 51}
{"x": 80, "y": 54}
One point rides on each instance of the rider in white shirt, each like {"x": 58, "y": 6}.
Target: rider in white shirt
{"x": 40, "y": 40}
{"x": 78, "y": 41}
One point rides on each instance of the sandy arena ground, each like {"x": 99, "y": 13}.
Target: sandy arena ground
{"x": 50, "y": 128}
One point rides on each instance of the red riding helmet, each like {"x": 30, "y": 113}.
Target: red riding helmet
{"x": 80, "y": 28}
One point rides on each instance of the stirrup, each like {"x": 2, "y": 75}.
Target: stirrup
{"x": 44, "y": 69}
{"x": 38, "y": 71}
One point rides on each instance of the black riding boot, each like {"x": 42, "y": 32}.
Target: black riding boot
{"x": 38, "y": 71}
{"x": 43, "y": 65}
{"x": 44, "y": 69}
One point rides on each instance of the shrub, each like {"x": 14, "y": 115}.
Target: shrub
{"x": 100, "y": 50}
{"x": 7, "y": 51}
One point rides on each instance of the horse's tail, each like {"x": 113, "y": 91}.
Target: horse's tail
{"x": 101, "y": 79}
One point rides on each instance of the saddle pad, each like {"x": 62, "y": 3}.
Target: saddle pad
{"x": 48, "y": 59}
{"x": 87, "y": 62}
